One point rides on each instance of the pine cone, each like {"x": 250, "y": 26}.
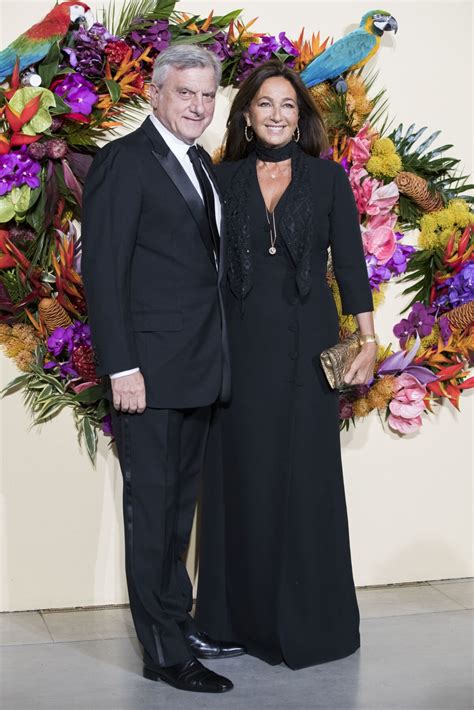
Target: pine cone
{"x": 416, "y": 188}
{"x": 53, "y": 314}
{"x": 83, "y": 363}
{"x": 461, "y": 316}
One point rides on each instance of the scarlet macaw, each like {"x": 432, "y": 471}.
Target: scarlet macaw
{"x": 350, "y": 52}
{"x": 34, "y": 44}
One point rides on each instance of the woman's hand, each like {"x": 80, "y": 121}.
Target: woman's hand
{"x": 361, "y": 371}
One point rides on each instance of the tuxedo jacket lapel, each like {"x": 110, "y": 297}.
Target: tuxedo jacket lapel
{"x": 208, "y": 163}
{"x": 171, "y": 165}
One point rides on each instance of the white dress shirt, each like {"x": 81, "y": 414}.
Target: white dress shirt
{"x": 180, "y": 150}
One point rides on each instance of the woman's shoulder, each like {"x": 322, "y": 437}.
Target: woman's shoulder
{"x": 226, "y": 171}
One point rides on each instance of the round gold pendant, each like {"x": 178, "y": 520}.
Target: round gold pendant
{"x": 272, "y": 251}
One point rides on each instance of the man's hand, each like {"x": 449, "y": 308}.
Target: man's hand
{"x": 129, "y": 393}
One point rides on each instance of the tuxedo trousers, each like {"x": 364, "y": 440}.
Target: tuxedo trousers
{"x": 160, "y": 453}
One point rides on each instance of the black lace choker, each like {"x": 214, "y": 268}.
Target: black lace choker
{"x": 275, "y": 155}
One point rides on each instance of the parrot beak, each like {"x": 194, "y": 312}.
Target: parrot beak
{"x": 391, "y": 25}
{"x": 90, "y": 18}
{"x": 82, "y": 16}
{"x": 385, "y": 23}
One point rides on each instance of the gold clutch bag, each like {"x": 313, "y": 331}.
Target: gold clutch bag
{"x": 337, "y": 360}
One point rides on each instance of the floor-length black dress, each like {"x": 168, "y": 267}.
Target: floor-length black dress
{"x": 275, "y": 565}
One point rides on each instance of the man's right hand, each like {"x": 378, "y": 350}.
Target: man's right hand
{"x": 129, "y": 393}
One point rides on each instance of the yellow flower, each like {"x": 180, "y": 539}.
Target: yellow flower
{"x": 384, "y": 165}
{"x": 437, "y": 227}
{"x": 383, "y": 147}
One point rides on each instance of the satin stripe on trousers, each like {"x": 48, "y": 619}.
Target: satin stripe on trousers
{"x": 160, "y": 453}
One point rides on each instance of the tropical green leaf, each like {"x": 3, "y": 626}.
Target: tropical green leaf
{"x": 48, "y": 68}
{"x": 90, "y": 438}
{"x": 14, "y": 385}
{"x": 89, "y": 395}
{"x": 114, "y": 90}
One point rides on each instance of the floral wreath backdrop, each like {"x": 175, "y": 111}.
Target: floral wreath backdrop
{"x": 70, "y": 81}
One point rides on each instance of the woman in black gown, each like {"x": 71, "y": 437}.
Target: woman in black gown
{"x": 275, "y": 565}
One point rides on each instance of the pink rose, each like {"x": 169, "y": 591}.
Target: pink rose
{"x": 381, "y": 242}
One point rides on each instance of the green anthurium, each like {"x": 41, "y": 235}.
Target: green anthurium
{"x": 20, "y": 198}
{"x": 7, "y": 211}
{"x": 42, "y": 120}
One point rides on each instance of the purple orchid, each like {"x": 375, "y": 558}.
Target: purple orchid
{"x": 378, "y": 273}
{"x": 107, "y": 425}
{"x": 17, "y": 168}
{"x": 59, "y": 339}
{"x": 77, "y": 92}
{"x": 63, "y": 342}
{"x": 156, "y": 34}
{"x": 287, "y": 45}
{"x": 420, "y": 321}
{"x": 445, "y": 328}
{"x": 458, "y": 289}
{"x": 87, "y": 54}
{"x": 401, "y": 362}
{"x": 397, "y": 263}
{"x": 220, "y": 45}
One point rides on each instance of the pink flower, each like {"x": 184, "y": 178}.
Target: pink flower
{"x": 387, "y": 219}
{"x": 372, "y": 196}
{"x": 379, "y": 241}
{"x": 407, "y": 405}
{"x": 404, "y": 426}
{"x": 360, "y": 146}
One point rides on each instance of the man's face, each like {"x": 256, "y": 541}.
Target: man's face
{"x": 185, "y": 103}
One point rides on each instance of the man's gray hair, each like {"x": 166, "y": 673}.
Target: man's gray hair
{"x": 185, "y": 56}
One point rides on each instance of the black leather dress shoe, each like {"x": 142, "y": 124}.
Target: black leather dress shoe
{"x": 202, "y": 646}
{"x": 190, "y": 675}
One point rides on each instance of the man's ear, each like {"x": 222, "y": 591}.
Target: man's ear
{"x": 154, "y": 93}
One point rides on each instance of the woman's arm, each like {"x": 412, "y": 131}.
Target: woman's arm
{"x": 351, "y": 273}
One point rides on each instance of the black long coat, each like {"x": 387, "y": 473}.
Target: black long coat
{"x": 275, "y": 563}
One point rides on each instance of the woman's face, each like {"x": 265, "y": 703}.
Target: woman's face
{"x": 273, "y": 112}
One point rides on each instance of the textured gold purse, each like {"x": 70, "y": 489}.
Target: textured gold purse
{"x": 337, "y": 360}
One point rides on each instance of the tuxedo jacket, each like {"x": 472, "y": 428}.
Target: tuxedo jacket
{"x": 152, "y": 288}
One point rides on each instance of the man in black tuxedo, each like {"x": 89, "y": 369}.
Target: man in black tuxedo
{"x": 152, "y": 267}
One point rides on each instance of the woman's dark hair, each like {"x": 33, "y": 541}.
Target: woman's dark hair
{"x": 313, "y": 138}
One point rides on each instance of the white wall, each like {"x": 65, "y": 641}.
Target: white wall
{"x": 409, "y": 499}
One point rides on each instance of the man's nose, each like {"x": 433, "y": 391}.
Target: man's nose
{"x": 197, "y": 104}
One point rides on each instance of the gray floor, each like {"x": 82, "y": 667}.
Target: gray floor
{"x": 416, "y": 653}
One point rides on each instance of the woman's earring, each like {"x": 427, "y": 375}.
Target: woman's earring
{"x": 296, "y": 137}
{"x": 246, "y": 134}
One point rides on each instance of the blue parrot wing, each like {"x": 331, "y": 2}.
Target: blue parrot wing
{"x": 339, "y": 57}
{"x": 28, "y": 51}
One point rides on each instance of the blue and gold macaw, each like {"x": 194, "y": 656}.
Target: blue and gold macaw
{"x": 350, "y": 52}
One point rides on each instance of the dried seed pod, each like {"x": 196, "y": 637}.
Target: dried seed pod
{"x": 53, "y": 314}
{"x": 461, "y": 316}
{"x": 416, "y": 188}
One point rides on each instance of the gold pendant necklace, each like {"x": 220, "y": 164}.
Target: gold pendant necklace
{"x": 273, "y": 232}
